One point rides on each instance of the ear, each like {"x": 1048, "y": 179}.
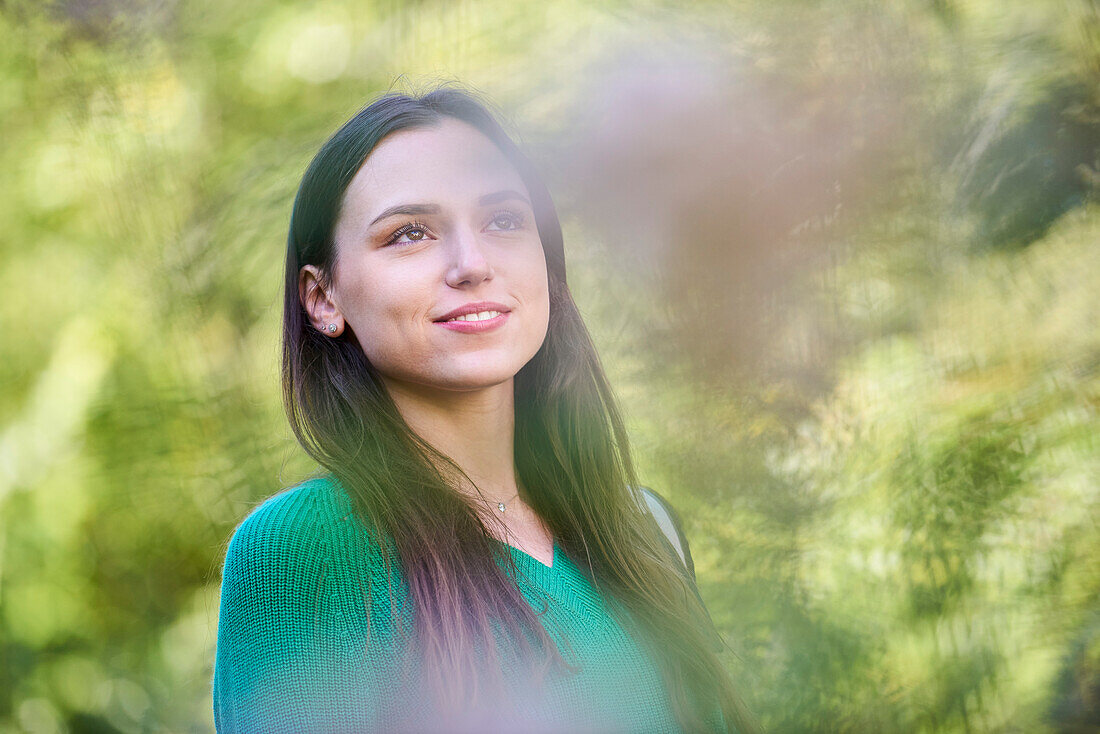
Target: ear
{"x": 323, "y": 311}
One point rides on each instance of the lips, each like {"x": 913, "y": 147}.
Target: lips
{"x": 475, "y": 325}
{"x": 473, "y": 308}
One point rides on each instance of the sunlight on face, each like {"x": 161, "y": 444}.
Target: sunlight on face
{"x": 435, "y": 219}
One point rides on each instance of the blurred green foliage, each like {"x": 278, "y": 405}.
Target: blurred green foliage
{"x": 900, "y": 535}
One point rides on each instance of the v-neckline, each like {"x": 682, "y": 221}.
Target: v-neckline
{"x": 532, "y": 560}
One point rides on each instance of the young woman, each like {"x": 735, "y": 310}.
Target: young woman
{"x": 476, "y": 556}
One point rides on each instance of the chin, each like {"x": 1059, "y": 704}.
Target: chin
{"x": 478, "y": 380}
{"x": 460, "y": 377}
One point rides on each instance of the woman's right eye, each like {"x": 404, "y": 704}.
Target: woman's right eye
{"x": 417, "y": 232}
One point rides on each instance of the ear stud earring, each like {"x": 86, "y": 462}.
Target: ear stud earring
{"x": 332, "y": 328}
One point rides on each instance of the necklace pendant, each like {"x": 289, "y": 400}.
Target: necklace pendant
{"x": 500, "y": 506}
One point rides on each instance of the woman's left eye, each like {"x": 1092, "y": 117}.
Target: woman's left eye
{"x": 510, "y": 219}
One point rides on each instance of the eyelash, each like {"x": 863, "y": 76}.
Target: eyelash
{"x": 517, "y": 220}
{"x": 407, "y": 228}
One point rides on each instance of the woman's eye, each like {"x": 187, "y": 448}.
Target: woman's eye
{"x": 415, "y": 231}
{"x": 506, "y": 220}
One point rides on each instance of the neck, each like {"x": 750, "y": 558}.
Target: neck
{"x": 475, "y": 428}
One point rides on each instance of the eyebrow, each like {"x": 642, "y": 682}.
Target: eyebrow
{"x": 414, "y": 209}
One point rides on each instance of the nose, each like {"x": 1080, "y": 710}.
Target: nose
{"x": 468, "y": 265}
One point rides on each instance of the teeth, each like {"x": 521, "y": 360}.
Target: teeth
{"x": 477, "y": 316}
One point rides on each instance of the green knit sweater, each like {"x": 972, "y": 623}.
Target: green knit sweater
{"x": 307, "y": 641}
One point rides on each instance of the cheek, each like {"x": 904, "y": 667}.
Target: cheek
{"x": 538, "y": 279}
{"x": 383, "y": 297}
{"x": 389, "y": 313}
{"x": 389, "y": 338}
{"x": 537, "y": 290}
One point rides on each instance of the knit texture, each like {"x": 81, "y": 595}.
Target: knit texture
{"x": 308, "y": 640}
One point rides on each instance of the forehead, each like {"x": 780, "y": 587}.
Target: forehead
{"x": 450, "y": 162}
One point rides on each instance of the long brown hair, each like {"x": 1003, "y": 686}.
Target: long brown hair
{"x": 571, "y": 454}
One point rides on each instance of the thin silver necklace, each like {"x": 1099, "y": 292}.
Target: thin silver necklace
{"x": 500, "y": 505}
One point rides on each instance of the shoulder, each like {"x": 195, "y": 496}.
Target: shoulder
{"x": 277, "y": 550}
{"x": 294, "y": 535}
{"x": 292, "y": 570}
{"x": 306, "y": 504}
{"x": 670, "y": 523}
{"x": 285, "y": 612}
{"x": 285, "y": 526}
{"x": 660, "y": 505}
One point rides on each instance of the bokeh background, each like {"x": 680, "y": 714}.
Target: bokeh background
{"x": 840, "y": 259}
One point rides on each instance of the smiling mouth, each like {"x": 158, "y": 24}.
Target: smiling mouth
{"x": 479, "y": 316}
{"x": 476, "y": 323}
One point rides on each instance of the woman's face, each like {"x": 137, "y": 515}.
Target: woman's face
{"x": 435, "y": 220}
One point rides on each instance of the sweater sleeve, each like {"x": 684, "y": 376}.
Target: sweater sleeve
{"x": 270, "y": 670}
